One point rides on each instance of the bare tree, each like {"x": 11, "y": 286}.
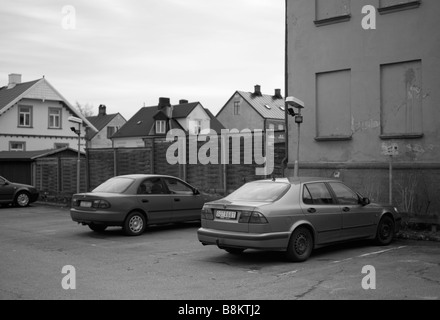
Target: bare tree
{"x": 86, "y": 110}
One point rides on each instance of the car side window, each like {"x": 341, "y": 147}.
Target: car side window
{"x": 344, "y": 194}
{"x": 317, "y": 193}
{"x": 151, "y": 186}
{"x": 177, "y": 187}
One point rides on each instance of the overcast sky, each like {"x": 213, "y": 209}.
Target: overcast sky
{"x": 124, "y": 53}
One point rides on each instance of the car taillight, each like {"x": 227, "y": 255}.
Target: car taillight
{"x": 252, "y": 217}
{"x": 207, "y": 214}
{"x": 100, "y": 204}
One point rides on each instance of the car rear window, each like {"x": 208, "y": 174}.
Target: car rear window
{"x": 267, "y": 192}
{"x": 114, "y": 185}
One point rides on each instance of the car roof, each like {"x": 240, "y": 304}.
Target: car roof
{"x": 298, "y": 180}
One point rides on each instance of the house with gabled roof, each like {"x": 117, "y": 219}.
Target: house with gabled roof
{"x": 253, "y": 110}
{"x": 156, "y": 121}
{"x": 34, "y": 116}
{"x": 107, "y": 125}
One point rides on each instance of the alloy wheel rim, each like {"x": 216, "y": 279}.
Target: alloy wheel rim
{"x": 23, "y": 199}
{"x": 136, "y": 224}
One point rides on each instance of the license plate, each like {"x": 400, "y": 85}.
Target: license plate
{"x": 226, "y": 215}
{"x": 85, "y": 204}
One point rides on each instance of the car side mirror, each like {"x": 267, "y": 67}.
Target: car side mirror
{"x": 196, "y": 192}
{"x": 365, "y": 201}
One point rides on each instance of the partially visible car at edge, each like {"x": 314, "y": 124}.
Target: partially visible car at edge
{"x": 135, "y": 201}
{"x": 296, "y": 216}
{"x": 18, "y": 194}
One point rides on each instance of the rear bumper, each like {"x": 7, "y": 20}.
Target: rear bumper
{"x": 223, "y": 239}
{"x": 97, "y": 217}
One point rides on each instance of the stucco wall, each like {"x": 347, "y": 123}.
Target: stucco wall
{"x": 377, "y": 64}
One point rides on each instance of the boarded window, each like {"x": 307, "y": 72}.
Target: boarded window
{"x": 333, "y": 104}
{"x": 326, "y": 9}
{"x": 401, "y": 98}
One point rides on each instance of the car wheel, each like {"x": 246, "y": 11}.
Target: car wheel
{"x": 22, "y": 199}
{"x": 300, "y": 245}
{"x": 234, "y": 250}
{"x": 97, "y": 227}
{"x": 135, "y": 224}
{"x": 385, "y": 231}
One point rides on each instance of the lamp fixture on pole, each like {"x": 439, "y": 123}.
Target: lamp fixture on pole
{"x": 293, "y": 103}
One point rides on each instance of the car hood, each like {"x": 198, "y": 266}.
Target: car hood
{"x": 21, "y": 185}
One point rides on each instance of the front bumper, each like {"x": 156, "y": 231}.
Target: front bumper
{"x": 224, "y": 239}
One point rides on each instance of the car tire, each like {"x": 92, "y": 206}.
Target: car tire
{"x": 300, "y": 245}
{"x": 234, "y": 250}
{"x": 22, "y": 199}
{"x": 135, "y": 224}
{"x": 97, "y": 227}
{"x": 385, "y": 231}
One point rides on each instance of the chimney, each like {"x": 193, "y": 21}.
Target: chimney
{"x": 165, "y": 106}
{"x": 183, "y": 101}
{"x": 277, "y": 94}
{"x": 102, "y": 110}
{"x": 257, "y": 91}
{"x": 14, "y": 79}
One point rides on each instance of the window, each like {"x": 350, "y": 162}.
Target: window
{"x": 344, "y": 194}
{"x": 388, "y": 6}
{"x": 60, "y": 145}
{"x": 151, "y": 186}
{"x": 316, "y": 193}
{"x": 111, "y": 131}
{"x": 197, "y": 126}
{"x": 25, "y": 116}
{"x": 54, "y": 118}
{"x": 401, "y": 100}
{"x": 333, "y": 105}
{"x": 237, "y": 108}
{"x": 17, "y": 146}
{"x": 332, "y": 11}
{"x": 178, "y": 187}
{"x": 161, "y": 126}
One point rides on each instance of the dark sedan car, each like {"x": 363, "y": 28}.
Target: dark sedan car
{"x": 296, "y": 216}
{"x": 16, "y": 193}
{"x": 135, "y": 201}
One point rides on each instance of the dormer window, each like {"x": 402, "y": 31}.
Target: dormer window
{"x": 161, "y": 126}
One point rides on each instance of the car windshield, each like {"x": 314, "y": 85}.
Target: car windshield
{"x": 267, "y": 192}
{"x": 114, "y": 185}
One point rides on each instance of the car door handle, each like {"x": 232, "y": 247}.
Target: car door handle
{"x": 145, "y": 200}
{"x": 176, "y": 199}
{"x": 346, "y": 209}
{"x": 311, "y": 210}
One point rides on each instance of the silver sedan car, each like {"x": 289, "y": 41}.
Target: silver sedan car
{"x": 296, "y": 216}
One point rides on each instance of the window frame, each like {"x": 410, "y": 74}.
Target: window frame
{"x": 30, "y": 116}
{"x": 23, "y": 143}
{"x": 161, "y": 127}
{"x": 54, "y": 116}
{"x": 237, "y": 106}
{"x": 329, "y": 191}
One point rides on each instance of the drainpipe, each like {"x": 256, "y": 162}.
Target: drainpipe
{"x": 285, "y": 160}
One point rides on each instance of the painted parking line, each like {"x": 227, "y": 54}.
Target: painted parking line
{"x": 369, "y": 254}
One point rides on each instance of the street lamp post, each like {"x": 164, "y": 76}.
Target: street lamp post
{"x": 78, "y": 161}
{"x": 292, "y": 103}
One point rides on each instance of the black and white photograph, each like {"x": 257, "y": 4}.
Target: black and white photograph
{"x": 220, "y": 159}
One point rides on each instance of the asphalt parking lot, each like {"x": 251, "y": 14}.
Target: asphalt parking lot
{"x": 168, "y": 262}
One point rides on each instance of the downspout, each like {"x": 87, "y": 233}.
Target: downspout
{"x": 285, "y": 160}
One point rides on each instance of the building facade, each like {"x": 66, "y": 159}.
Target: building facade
{"x": 35, "y": 116}
{"x": 368, "y": 73}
